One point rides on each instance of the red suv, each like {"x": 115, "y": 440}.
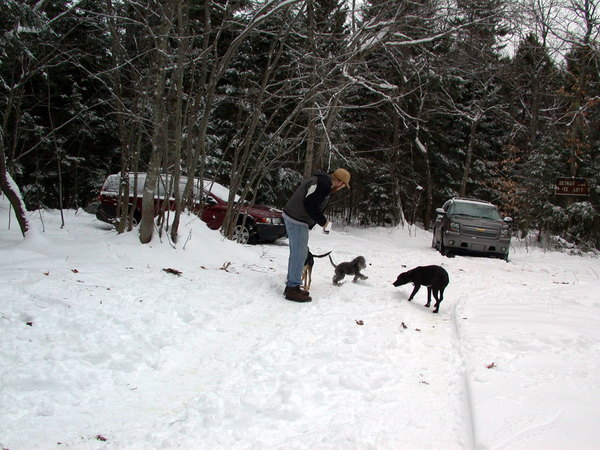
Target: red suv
{"x": 256, "y": 224}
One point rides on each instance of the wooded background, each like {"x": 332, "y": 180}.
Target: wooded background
{"x": 421, "y": 100}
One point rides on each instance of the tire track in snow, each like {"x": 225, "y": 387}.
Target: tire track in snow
{"x": 467, "y": 385}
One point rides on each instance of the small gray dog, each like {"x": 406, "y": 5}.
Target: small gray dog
{"x": 349, "y": 268}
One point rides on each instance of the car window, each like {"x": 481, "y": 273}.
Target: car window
{"x": 218, "y": 190}
{"x": 164, "y": 186}
{"x": 209, "y": 199}
{"x": 111, "y": 184}
{"x": 475, "y": 210}
{"x": 195, "y": 187}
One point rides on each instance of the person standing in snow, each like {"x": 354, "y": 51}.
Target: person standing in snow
{"x": 302, "y": 212}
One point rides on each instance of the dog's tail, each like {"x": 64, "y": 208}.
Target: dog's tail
{"x": 332, "y": 263}
{"x": 321, "y": 256}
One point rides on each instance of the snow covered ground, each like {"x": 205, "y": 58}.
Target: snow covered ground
{"x": 100, "y": 347}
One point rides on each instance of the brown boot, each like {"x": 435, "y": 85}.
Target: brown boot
{"x": 297, "y": 294}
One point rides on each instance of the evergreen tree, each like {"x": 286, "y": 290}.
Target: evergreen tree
{"x": 53, "y": 112}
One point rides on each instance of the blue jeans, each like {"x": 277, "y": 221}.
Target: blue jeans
{"x": 298, "y": 242}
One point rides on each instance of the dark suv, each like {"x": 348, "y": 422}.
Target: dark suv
{"x": 465, "y": 225}
{"x": 256, "y": 224}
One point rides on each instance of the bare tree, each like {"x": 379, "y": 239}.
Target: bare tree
{"x": 159, "y": 119}
{"x": 211, "y": 75}
{"x": 11, "y": 190}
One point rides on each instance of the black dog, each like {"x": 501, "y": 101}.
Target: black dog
{"x": 434, "y": 277}
{"x": 308, "y": 266}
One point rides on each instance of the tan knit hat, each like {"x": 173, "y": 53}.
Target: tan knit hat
{"x": 343, "y": 175}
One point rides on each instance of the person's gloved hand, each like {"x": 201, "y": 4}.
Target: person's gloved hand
{"x": 327, "y": 227}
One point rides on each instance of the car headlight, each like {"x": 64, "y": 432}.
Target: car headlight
{"x": 505, "y": 233}
{"x": 454, "y": 227}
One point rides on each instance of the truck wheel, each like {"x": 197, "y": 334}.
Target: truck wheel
{"x": 433, "y": 242}
{"x": 443, "y": 250}
{"x": 441, "y": 246}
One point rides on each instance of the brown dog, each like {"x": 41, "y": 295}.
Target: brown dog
{"x": 308, "y": 266}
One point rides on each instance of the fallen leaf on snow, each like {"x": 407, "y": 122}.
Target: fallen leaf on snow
{"x": 173, "y": 271}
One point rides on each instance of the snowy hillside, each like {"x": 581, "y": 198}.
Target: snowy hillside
{"x": 101, "y": 348}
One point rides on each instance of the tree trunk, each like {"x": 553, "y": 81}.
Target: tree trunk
{"x": 159, "y": 132}
{"x": 470, "y": 147}
{"x": 325, "y": 140}
{"x": 182, "y": 54}
{"x": 395, "y": 173}
{"x": 11, "y": 190}
{"x": 124, "y": 136}
{"x": 309, "y": 158}
{"x": 429, "y": 183}
{"x": 310, "y": 142}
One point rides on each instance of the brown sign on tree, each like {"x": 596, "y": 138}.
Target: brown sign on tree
{"x": 572, "y": 186}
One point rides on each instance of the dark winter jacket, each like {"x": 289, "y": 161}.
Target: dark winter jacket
{"x": 310, "y": 199}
